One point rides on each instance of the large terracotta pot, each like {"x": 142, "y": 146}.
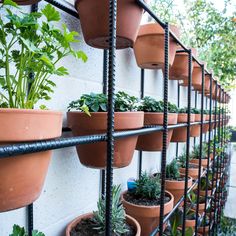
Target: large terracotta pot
{"x": 94, "y": 19}
{"x": 24, "y": 2}
{"x": 130, "y": 220}
{"x": 177, "y": 188}
{"x": 154, "y": 141}
{"x": 196, "y": 129}
{"x": 149, "y": 46}
{"x": 94, "y": 155}
{"x": 23, "y": 176}
{"x": 196, "y": 161}
{"x": 147, "y": 216}
{"x": 180, "y": 134}
{"x": 193, "y": 172}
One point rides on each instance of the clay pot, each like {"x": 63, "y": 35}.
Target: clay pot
{"x": 23, "y": 176}
{"x": 147, "y": 216}
{"x": 149, "y": 46}
{"x": 196, "y": 129}
{"x": 130, "y": 220}
{"x": 203, "y": 193}
{"x": 82, "y": 124}
{"x": 191, "y": 223}
{"x": 196, "y": 161}
{"x": 177, "y": 188}
{"x": 201, "y": 208}
{"x": 180, "y": 134}
{"x": 154, "y": 141}
{"x": 193, "y": 172}
{"x": 94, "y": 19}
{"x": 24, "y": 2}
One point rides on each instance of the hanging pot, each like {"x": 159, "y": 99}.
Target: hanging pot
{"x": 23, "y": 176}
{"x": 154, "y": 141}
{"x": 94, "y": 19}
{"x": 196, "y": 129}
{"x": 149, "y": 46}
{"x": 147, "y": 216}
{"x": 94, "y": 155}
{"x": 130, "y": 220}
{"x": 180, "y": 134}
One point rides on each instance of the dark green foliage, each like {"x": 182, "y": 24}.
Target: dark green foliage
{"x": 195, "y": 111}
{"x": 185, "y": 110}
{"x": 182, "y": 159}
{"x": 227, "y": 226}
{"x": 118, "y": 219}
{"x": 206, "y": 112}
{"x": 196, "y": 152}
{"x": 203, "y": 182}
{"x": 172, "y": 170}
{"x": 20, "y": 231}
{"x": 148, "y": 187}
{"x": 151, "y": 105}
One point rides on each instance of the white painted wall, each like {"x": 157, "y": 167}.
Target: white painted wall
{"x": 70, "y": 188}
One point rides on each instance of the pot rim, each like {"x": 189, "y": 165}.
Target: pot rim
{"x": 29, "y": 111}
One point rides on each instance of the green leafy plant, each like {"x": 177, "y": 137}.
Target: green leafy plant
{"x": 203, "y": 182}
{"x": 182, "y": 159}
{"x": 148, "y": 187}
{"x": 118, "y": 219}
{"x": 227, "y": 226}
{"x": 185, "y": 110}
{"x": 172, "y": 170}
{"x": 94, "y": 102}
{"x": 30, "y": 48}
{"x": 20, "y": 231}
{"x": 195, "y": 154}
{"x": 149, "y": 104}
{"x": 195, "y": 111}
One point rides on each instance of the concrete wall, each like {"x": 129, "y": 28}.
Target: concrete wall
{"x": 70, "y": 188}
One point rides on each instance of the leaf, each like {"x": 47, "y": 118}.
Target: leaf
{"x": 61, "y": 71}
{"x": 51, "y": 13}
{"x": 82, "y": 55}
{"x": 18, "y": 231}
{"x": 2, "y": 81}
{"x": 31, "y": 47}
{"x": 10, "y": 3}
{"x": 85, "y": 109}
{"x": 46, "y": 60}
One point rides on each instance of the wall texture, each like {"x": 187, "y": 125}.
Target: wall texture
{"x": 70, "y": 188}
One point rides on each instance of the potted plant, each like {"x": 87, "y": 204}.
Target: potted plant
{"x": 20, "y": 231}
{"x": 196, "y": 129}
{"x": 95, "y": 223}
{"x": 180, "y": 134}
{"x": 175, "y": 182}
{"x": 193, "y": 168}
{"x": 96, "y": 27}
{"x": 192, "y": 200}
{"x": 88, "y": 115}
{"x": 204, "y": 185}
{"x": 195, "y": 156}
{"x": 153, "y": 115}
{"x": 26, "y": 51}
{"x": 143, "y": 203}
{"x": 204, "y": 224}
{"x": 149, "y": 46}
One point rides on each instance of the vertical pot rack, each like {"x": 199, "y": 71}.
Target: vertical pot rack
{"x": 109, "y": 88}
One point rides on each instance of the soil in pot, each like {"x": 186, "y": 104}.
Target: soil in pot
{"x": 149, "y": 46}
{"x": 96, "y": 27}
{"x": 24, "y": 175}
{"x": 180, "y": 134}
{"x": 154, "y": 141}
{"x": 83, "y": 226}
{"x": 94, "y": 155}
{"x": 147, "y": 215}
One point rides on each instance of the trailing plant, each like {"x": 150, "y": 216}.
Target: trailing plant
{"x": 118, "y": 219}
{"x": 20, "y": 231}
{"x": 149, "y": 104}
{"x": 94, "y": 102}
{"x": 195, "y": 154}
{"x": 31, "y": 46}
{"x": 172, "y": 170}
{"x": 148, "y": 187}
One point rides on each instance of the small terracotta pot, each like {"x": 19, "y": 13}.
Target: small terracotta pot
{"x": 96, "y": 27}
{"x": 154, "y": 141}
{"x": 191, "y": 223}
{"x": 147, "y": 216}
{"x": 130, "y": 220}
{"x": 196, "y": 161}
{"x": 24, "y": 175}
{"x": 196, "y": 129}
{"x": 82, "y": 124}
{"x": 203, "y": 193}
{"x": 180, "y": 134}
{"x": 193, "y": 172}
{"x": 149, "y": 46}
{"x": 177, "y": 188}
{"x": 201, "y": 230}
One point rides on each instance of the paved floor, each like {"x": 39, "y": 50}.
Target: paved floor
{"x": 230, "y": 207}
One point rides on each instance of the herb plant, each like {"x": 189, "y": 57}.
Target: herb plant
{"x": 149, "y": 104}
{"x": 182, "y": 159}
{"x": 185, "y": 110}
{"x": 30, "y": 48}
{"x": 20, "y": 231}
{"x": 196, "y": 152}
{"x": 118, "y": 214}
{"x": 172, "y": 170}
{"x": 195, "y": 111}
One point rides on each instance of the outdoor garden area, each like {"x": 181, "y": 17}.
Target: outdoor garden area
{"x": 117, "y": 117}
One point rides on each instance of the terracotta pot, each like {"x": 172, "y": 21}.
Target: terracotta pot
{"x": 96, "y": 27}
{"x": 196, "y": 161}
{"x": 211, "y": 156}
{"x": 177, "y": 188}
{"x": 193, "y": 172}
{"x": 191, "y": 223}
{"x": 147, "y": 216}
{"x": 130, "y": 220}
{"x": 24, "y": 2}
{"x": 201, "y": 230}
{"x": 196, "y": 129}
{"x": 201, "y": 208}
{"x": 82, "y": 124}
{"x": 24, "y": 175}
{"x": 203, "y": 193}
{"x": 154, "y": 141}
{"x": 180, "y": 134}
{"x": 149, "y": 46}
